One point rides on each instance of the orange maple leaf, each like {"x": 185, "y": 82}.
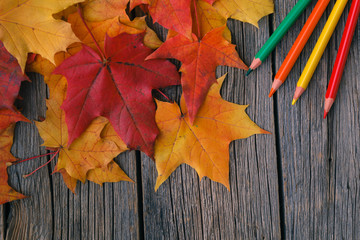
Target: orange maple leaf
{"x": 7, "y": 194}
{"x": 199, "y": 61}
{"x": 204, "y": 145}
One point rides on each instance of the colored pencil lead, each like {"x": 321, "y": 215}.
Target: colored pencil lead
{"x": 298, "y": 92}
{"x": 272, "y": 91}
{"x": 255, "y": 63}
{"x": 325, "y": 114}
{"x": 328, "y": 103}
{"x": 275, "y": 86}
{"x": 248, "y": 72}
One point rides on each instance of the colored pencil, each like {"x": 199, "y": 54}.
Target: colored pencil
{"x": 280, "y": 31}
{"x": 319, "y": 49}
{"x": 299, "y": 45}
{"x": 342, "y": 55}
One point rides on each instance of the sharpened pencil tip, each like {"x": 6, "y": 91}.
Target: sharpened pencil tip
{"x": 248, "y": 72}
{"x": 293, "y": 101}
{"x": 272, "y": 91}
{"x": 325, "y": 113}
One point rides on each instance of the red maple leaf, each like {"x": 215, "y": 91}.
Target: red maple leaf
{"x": 118, "y": 87}
{"x": 11, "y": 77}
{"x": 199, "y": 58}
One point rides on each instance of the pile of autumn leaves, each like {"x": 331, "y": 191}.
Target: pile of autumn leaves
{"x": 101, "y": 68}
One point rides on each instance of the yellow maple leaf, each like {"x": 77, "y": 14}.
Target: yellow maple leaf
{"x": 250, "y": 11}
{"x": 205, "y": 144}
{"x": 28, "y": 26}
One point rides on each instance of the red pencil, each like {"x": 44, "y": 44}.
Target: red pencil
{"x": 341, "y": 56}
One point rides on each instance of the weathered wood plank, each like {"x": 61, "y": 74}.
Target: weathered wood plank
{"x": 30, "y": 218}
{"x": 344, "y": 145}
{"x": 97, "y": 212}
{"x": 2, "y": 222}
{"x": 303, "y": 137}
{"x": 256, "y": 159}
{"x": 320, "y": 164}
{"x": 52, "y": 211}
{"x": 308, "y": 143}
{"x": 185, "y": 208}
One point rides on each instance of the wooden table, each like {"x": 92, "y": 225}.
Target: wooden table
{"x": 301, "y": 182}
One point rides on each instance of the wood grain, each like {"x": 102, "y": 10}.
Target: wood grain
{"x": 185, "y": 208}
{"x": 319, "y": 157}
{"x": 300, "y": 182}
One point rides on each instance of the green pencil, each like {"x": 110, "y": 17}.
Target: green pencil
{"x": 278, "y": 34}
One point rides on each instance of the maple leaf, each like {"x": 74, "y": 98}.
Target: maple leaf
{"x": 11, "y": 77}
{"x": 250, "y": 11}
{"x": 7, "y": 194}
{"x": 8, "y": 116}
{"x": 28, "y": 26}
{"x": 204, "y": 145}
{"x": 118, "y": 88}
{"x": 199, "y": 61}
{"x": 89, "y": 152}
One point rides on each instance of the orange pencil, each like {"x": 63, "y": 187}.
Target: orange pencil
{"x": 299, "y": 45}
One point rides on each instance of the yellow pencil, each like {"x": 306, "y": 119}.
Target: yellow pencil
{"x": 319, "y": 49}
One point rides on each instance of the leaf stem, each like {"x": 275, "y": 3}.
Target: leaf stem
{"x": 27, "y": 159}
{"x": 92, "y": 36}
{"x": 167, "y": 98}
{"x": 56, "y": 153}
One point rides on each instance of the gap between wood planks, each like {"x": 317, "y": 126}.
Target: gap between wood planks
{"x": 277, "y": 141}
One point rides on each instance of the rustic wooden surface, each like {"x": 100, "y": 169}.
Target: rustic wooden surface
{"x": 301, "y": 182}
